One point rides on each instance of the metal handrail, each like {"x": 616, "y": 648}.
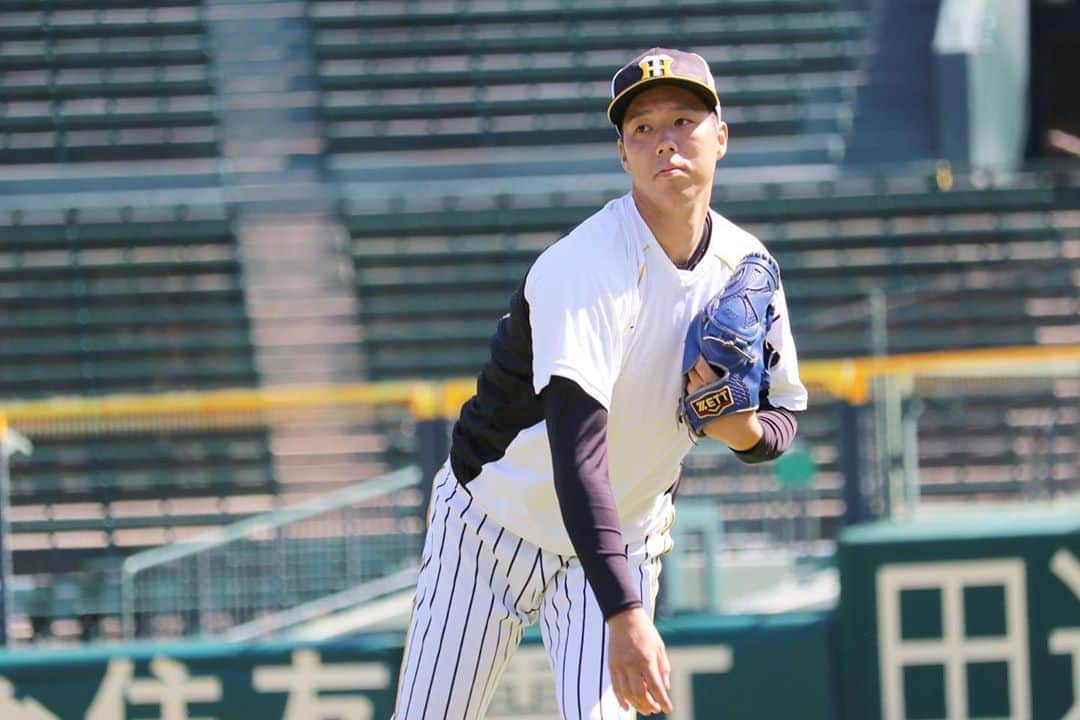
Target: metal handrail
{"x": 142, "y": 561}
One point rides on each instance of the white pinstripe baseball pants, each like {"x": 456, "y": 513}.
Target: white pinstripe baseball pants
{"x": 480, "y": 586}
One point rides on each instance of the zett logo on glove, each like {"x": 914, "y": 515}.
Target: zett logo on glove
{"x": 714, "y": 404}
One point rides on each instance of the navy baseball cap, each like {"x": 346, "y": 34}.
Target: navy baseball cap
{"x": 661, "y": 65}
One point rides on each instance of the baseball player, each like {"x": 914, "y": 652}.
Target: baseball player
{"x": 556, "y": 502}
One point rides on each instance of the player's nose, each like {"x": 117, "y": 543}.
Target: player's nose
{"x": 666, "y": 145}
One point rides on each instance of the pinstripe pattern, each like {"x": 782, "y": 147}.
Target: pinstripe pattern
{"x": 491, "y": 607}
{"x": 499, "y": 649}
{"x": 576, "y": 635}
{"x": 480, "y": 586}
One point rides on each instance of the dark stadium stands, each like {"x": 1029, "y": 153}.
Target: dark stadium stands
{"x": 83, "y": 83}
{"x": 432, "y": 282}
{"x": 416, "y": 81}
{"x": 121, "y": 299}
{"x": 132, "y": 300}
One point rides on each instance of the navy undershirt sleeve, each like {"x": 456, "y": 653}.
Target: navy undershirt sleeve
{"x": 577, "y": 432}
{"x": 778, "y": 428}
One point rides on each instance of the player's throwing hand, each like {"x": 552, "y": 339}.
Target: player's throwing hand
{"x": 637, "y": 659}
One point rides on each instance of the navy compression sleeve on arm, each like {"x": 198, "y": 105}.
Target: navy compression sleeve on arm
{"x": 778, "y": 427}
{"x": 577, "y": 432}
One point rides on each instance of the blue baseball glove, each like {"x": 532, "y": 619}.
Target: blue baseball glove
{"x": 730, "y": 334}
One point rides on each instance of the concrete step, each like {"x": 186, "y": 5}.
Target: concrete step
{"x": 268, "y": 101}
{"x": 253, "y": 10}
{"x": 281, "y": 123}
{"x": 299, "y": 282}
{"x": 275, "y": 308}
{"x": 291, "y": 366}
{"x": 300, "y": 145}
{"x": 288, "y": 198}
{"x": 326, "y": 442}
{"x": 257, "y": 203}
{"x": 243, "y": 68}
{"x": 299, "y": 182}
{"x": 296, "y": 253}
{"x": 293, "y": 479}
{"x": 293, "y": 337}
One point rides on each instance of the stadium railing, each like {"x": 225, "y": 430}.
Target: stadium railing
{"x": 275, "y": 570}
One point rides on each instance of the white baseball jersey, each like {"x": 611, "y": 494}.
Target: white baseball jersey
{"x": 608, "y": 310}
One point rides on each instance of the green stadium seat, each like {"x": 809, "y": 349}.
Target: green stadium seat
{"x": 96, "y": 114}
{"x": 28, "y": 5}
{"x": 340, "y": 13}
{"x": 142, "y": 466}
{"x": 89, "y": 320}
{"x": 112, "y": 524}
{"x": 421, "y": 73}
{"x": 586, "y": 35}
{"x": 110, "y": 22}
{"x": 568, "y": 96}
{"x": 76, "y": 83}
{"x": 97, "y": 52}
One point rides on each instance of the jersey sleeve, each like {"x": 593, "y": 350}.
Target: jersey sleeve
{"x": 786, "y": 389}
{"x": 578, "y": 318}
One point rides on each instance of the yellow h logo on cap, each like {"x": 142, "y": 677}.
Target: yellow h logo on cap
{"x": 655, "y": 66}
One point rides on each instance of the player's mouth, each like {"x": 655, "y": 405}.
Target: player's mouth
{"x": 671, "y": 171}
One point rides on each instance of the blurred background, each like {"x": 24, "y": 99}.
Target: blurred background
{"x": 252, "y": 252}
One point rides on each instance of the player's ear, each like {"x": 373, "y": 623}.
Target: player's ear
{"x": 622, "y": 154}
{"x": 721, "y": 138}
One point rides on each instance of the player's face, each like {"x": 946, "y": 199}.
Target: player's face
{"x": 671, "y": 142}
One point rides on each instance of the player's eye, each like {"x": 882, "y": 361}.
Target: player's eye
{"x": 642, "y": 128}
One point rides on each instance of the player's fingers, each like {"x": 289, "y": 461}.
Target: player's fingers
{"x": 705, "y": 371}
{"x": 694, "y": 379}
{"x": 630, "y": 689}
{"x": 644, "y": 700}
{"x": 693, "y": 383}
{"x": 619, "y": 687}
{"x": 665, "y": 670}
{"x": 654, "y": 682}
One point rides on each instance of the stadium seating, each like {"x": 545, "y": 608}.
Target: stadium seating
{"x": 437, "y": 83}
{"x": 79, "y": 83}
{"x": 120, "y": 300}
{"x": 432, "y": 282}
{"x": 132, "y": 300}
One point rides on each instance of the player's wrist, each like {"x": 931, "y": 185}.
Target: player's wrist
{"x": 740, "y": 431}
{"x": 627, "y": 616}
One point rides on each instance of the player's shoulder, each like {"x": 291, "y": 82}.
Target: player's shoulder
{"x": 733, "y": 242}
{"x": 599, "y": 242}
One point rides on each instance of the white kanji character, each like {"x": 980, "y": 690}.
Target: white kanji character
{"x": 12, "y": 708}
{"x": 173, "y": 690}
{"x": 307, "y": 676}
{"x": 953, "y": 651}
{"x": 1066, "y": 641}
{"x": 108, "y": 704}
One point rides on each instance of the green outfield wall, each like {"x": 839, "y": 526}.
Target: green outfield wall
{"x": 734, "y": 663}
